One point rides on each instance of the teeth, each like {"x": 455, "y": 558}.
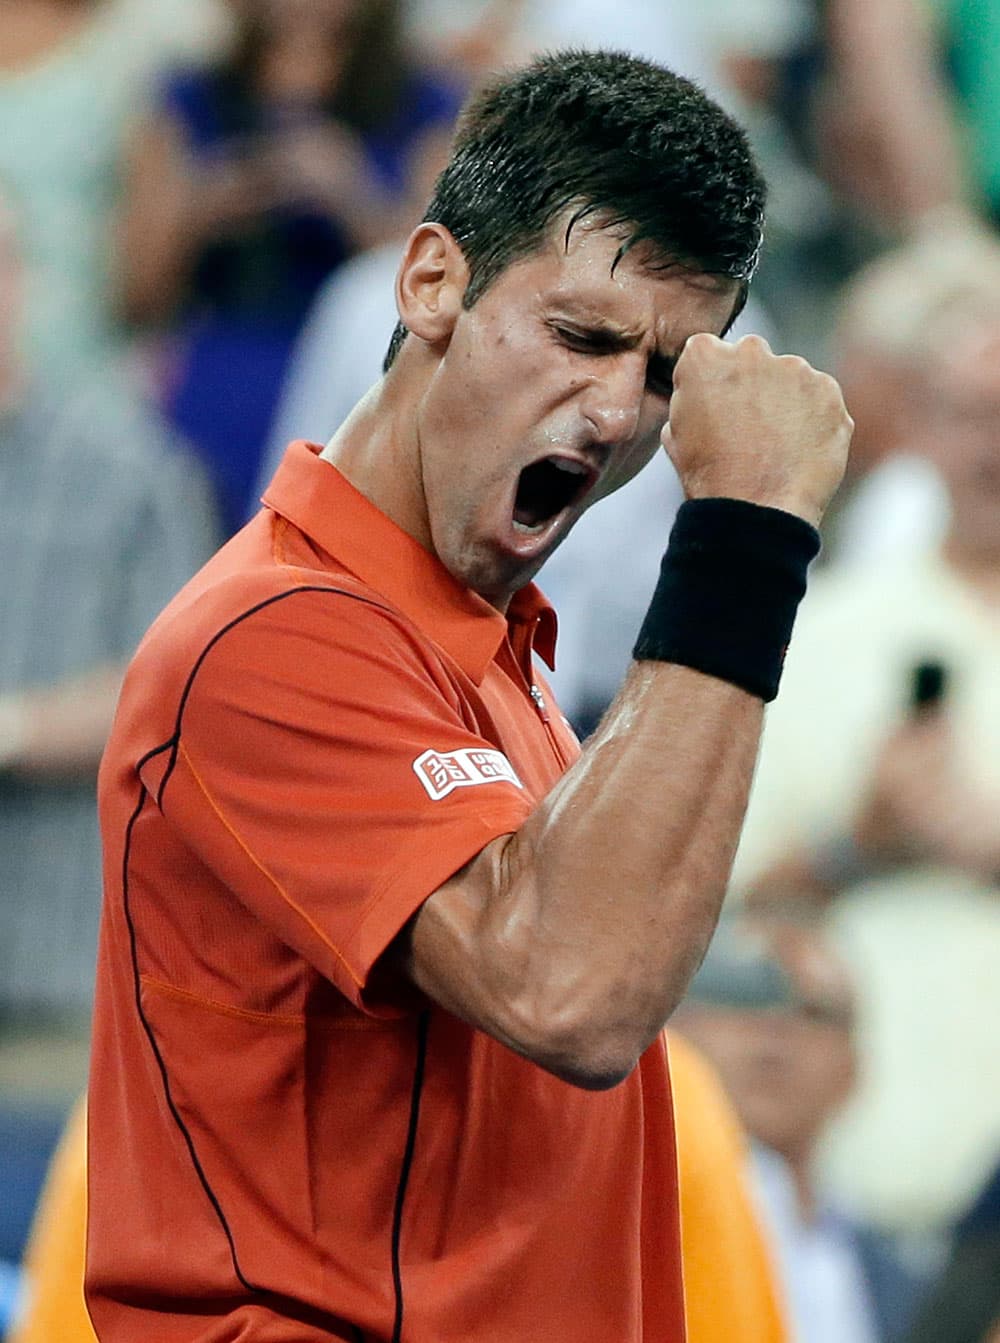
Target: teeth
{"x": 568, "y": 465}
{"x": 525, "y": 530}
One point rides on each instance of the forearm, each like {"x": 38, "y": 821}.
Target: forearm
{"x": 580, "y": 935}
{"x": 885, "y": 61}
{"x": 626, "y": 863}
{"x": 60, "y": 730}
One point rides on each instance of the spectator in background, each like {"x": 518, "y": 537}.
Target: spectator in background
{"x": 869, "y": 797}
{"x": 73, "y": 77}
{"x": 731, "y": 1289}
{"x": 101, "y": 520}
{"x": 250, "y": 184}
{"x": 772, "y": 1009}
{"x": 52, "y": 1308}
{"x": 895, "y": 502}
{"x": 852, "y": 118}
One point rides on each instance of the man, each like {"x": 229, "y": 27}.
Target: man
{"x": 772, "y": 1009}
{"x": 894, "y": 502}
{"x": 384, "y": 967}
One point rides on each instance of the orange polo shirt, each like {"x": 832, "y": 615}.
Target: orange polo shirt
{"x": 285, "y": 1145}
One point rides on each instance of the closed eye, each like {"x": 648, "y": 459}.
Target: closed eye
{"x": 659, "y": 369}
{"x": 589, "y": 342}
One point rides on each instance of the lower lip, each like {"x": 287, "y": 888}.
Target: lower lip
{"x": 529, "y": 545}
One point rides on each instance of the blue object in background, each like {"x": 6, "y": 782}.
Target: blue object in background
{"x": 28, "y": 1136}
{"x": 10, "y": 1292}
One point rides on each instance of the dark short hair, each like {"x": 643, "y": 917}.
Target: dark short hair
{"x": 626, "y": 142}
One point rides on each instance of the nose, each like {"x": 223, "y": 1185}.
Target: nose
{"x": 614, "y": 396}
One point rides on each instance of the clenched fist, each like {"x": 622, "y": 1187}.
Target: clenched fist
{"x": 746, "y": 423}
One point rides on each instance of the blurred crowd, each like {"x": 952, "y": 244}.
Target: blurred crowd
{"x": 202, "y": 204}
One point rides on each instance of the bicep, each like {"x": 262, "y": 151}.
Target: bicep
{"x": 449, "y": 950}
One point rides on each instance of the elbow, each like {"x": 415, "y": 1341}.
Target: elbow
{"x": 591, "y": 1074}
{"x": 588, "y": 1049}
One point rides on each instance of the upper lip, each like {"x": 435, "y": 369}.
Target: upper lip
{"x": 593, "y": 461}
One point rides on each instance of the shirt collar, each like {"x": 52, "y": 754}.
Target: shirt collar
{"x": 322, "y": 503}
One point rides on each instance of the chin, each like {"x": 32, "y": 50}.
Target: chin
{"x": 494, "y": 577}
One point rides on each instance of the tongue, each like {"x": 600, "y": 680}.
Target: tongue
{"x": 542, "y": 492}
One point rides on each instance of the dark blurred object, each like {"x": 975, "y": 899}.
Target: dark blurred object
{"x": 28, "y": 1135}
{"x": 964, "y": 1304}
{"x": 928, "y": 686}
{"x": 772, "y": 1008}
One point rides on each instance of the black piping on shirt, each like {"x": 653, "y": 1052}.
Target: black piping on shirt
{"x": 172, "y": 745}
{"x": 423, "y": 1025}
{"x": 157, "y": 1055}
{"x": 175, "y": 739}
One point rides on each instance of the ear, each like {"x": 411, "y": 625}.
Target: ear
{"x": 431, "y": 283}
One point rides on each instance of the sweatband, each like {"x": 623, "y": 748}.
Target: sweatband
{"x": 730, "y": 583}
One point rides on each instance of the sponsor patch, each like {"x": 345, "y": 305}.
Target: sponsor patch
{"x": 441, "y": 772}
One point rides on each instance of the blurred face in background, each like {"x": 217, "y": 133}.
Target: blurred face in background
{"x": 962, "y": 434}
{"x": 787, "y": 1069}
{"x": 879, "y": 393}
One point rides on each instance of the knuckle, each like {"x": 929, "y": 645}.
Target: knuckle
{"x": 699, "y": 344}
{"x": 753, "y": 344}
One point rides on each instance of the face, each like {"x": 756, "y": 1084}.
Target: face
{"x": 552, "y": 392}
{"x": 787, "y": 1070}
{"x": 962, "y": 427}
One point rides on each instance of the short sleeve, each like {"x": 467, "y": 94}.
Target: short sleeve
{"x": 329, "y": 771}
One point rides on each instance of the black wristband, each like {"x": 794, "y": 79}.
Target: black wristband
{"x": 730, "y": 584}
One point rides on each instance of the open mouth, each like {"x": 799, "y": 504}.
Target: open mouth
{"x": 546, "y": 488}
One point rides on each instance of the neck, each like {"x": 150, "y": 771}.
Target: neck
{"x": 800, "y": 1169}
{"x": 378, "y": 449}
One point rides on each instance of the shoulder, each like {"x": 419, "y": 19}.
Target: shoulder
{"x": 251, "y": 657}
{"x": 246, "y": 621}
